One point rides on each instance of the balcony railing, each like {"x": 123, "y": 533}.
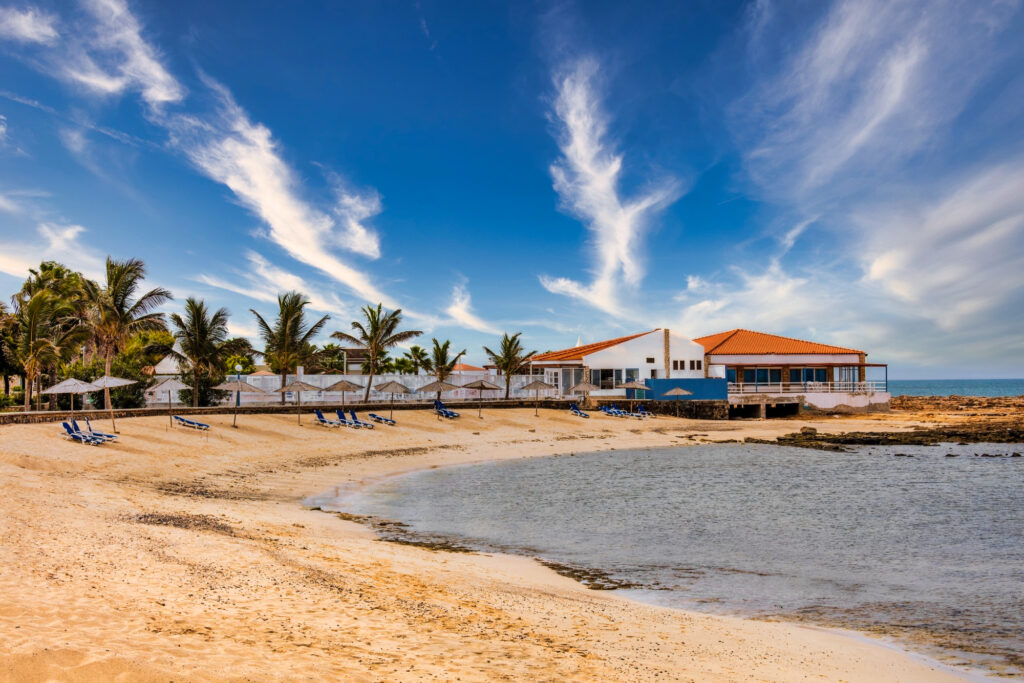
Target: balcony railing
{"x": 867, "y": 387}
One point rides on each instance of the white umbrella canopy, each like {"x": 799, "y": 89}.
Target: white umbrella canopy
{"x": 71, "y": 386}
{"x": 393, "y": 388}
{"x": 537, "y": 386}
{"x": 298, "y": 387}
{"x": 481, "y": 385}
{"x": 107, "y": 382}
{"x": 239, "y": 387}
{"x": 169, "y": 385}
{"x": 345, "y": 386}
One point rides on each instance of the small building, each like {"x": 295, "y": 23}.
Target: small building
{"x": 760, "y": 367}
{"x": 655, "y": 354}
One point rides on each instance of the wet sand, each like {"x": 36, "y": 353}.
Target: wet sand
{"x": 175, "y": 554}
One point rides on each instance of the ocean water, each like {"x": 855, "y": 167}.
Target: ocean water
{"x": 923, "y": 547}
{"x": 956, "y": 387}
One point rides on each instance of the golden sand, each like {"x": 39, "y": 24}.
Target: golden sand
{"x": 178, "y": 555}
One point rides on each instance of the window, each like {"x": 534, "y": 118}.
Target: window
{"x": 775, "y": 375}
{"x": 748, "y": 375}
{"x": 618, "y": 377}
{"x": 675, "y": 365}
{"x": 795, "y": 375}
{"x": 730, "y": 375}
{"x": 632, "y": 374}
{"x": 693, "y": 365}
{"x": 650, "y": 360}
{"x": 700, "y": 365}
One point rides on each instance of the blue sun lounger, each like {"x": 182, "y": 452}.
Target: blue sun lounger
{"x": 642, "y": 412}
{"x": 344, "y": 420}
{"x": 191, "y": 424}
{"x": 323, "y": 421}
{"x": 90, "y": 430}
{"x": 95, "y": 435}
{"x": 612, "y": 411}
{"x": 626, "y": 413}
{"x": 380, "y": 418}
{"x": 356, "y": 420}
{"x": 441, "y": 410}
{"x": 575, "y": 410}
{"x": 70, "y": 433}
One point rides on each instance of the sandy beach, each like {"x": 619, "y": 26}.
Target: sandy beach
{"x": 181, "y": 555}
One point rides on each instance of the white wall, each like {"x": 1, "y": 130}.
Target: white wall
{"x": 635, "y": 352}
{"x": 785, "y": 359}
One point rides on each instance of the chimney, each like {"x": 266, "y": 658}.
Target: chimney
{"x": 668, "y": 354}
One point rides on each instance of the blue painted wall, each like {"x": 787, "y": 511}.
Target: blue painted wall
{"x": 704, "y": 389}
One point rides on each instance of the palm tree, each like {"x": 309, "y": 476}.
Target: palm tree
{"x": 9, "y": 364}
{"x": 403, "y": 366}
{"x": 116, "y": 315}
{"x": 49, "y": 332}
{"x": 203, "y": 338}
{"x": 441, "y": 362}
{"x": 287, "y": 341}
{"x": 419, "y": 357}
{"x": 379, "y": 334}
{"x": 510, "y": 358}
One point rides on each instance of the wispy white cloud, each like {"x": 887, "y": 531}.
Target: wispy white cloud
{"x": 28, "y": 25}
{"x": 352, "y": 210}
{"x": 231, "y": 149}
{"x": 460, "y": 310}
{"x": 57, "y": 242}
{"x": 587, "y": 178}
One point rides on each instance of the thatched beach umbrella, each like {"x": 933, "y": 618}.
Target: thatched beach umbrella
{"x": 171, "y": 384}
{"x": 678, "y": 391}
{"x": 239, "y": 387}
{"x": 108, "y": 382}
{"x": 636, "y": 386}
{"x": 392, "y": 388}
{"x": 536, "y": 386}
{"x": 298, "y": 387}
{"x": 437, "y": 387}
{"x": 481, "y": 385}
{"x": 343, "y": 386}
{"x": 586, "y": 388}
{"x": 71, "y": 386}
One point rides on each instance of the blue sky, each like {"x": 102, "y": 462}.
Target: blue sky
{"x": 850, "y": 172}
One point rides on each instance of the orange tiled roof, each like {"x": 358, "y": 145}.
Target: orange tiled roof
{"x": 747, "y": 342}
{"x": 577, "y": 352}
{"x": 466, "y": 368}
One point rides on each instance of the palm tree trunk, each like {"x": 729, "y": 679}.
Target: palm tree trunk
{"x": 27, "y": 383}
{"x": 7, "y": 384}
{"x": 508, "y": 385}
{"x": 284, "y": 382}
{"x": 195, "y": 387}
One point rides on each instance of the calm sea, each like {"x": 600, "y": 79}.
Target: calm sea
{"x": 923, "y": 547}
{"x": 956, "y": 387}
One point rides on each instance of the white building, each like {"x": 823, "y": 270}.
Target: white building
{"x": 656, "y": 354}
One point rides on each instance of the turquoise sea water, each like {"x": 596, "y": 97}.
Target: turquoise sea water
{"x": 924, "y": 544}
{"x": 956, "y": 387}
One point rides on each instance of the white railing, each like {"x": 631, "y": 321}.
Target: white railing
{"x": 866, "y": 387}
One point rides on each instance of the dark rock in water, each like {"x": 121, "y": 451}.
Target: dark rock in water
{"x": 952, "y": 455}
{"x": 991, "y": 455}
{"x": 903, "y": 455}
{"x": 808, "y": 431}
{"x": 1015, "y": 455}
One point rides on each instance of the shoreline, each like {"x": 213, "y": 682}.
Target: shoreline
{"x": 176, "y": 554}
{"x": 396, "y": 531}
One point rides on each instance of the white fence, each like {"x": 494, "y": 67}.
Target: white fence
{"x": 271, "y": 383}
{"x": 868, "y": 387}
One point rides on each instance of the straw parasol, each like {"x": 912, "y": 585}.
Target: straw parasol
{"x": 108, "y": 382}
{"x": 170, "y": 384}
{"x": 298, "y": 387}
{"x": 437, "y": 387}
{"x": 71, "y": 386}
{"x": 239, "y": 387}
{"x": 392, "y": 388}
{"x": 678, "y": 391}
{"x": 343, "y": 386}
{"x": 536, "y": 386}
{"x": 636, "y": 386}
{"x": 586, "y": 388}
{"x": 481, "y": 385}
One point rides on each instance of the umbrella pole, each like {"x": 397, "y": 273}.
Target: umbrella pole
{"x": 536, "y": 403}
{"x": 238, "y": 399}
{"x": 391, "y": 416}
{"x": 170, "y": 420}
{"x": 480, "y": 404}
{"x": 298, "y": 397}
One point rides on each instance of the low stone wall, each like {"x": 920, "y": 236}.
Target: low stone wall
{"x": 696, "y": 410}
{"x": 56, "y": 416}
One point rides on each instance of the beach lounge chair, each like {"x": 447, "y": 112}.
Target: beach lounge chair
{"x": 90, "y": 430}
{"x": 344, "y": 420}
{"x": 356, "y": 420}
{"x": 575, "y": 410}
{"x": 643, "y": 411}
{"x": 70, "y": 433}
{"x": 323, "y": 421}
{"x": 612, "y": 411}
{"x": 95, "y": 435}
{"x": 443, "y": 411}
{"x": 380, "y": 418}
{"x": 191, "y": 424}
{"x": 626, "y": 413}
